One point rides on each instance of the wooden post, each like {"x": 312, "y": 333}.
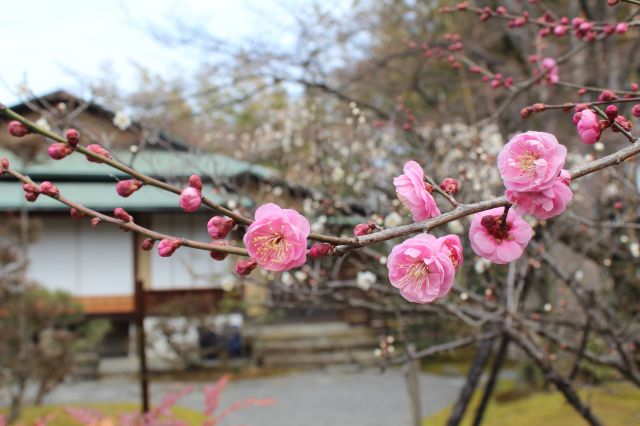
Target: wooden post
{"x": 141, "y": 346}
{"x": 413, "y": 385}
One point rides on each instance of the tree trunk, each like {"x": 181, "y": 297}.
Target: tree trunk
{"x": 478, "y": 365}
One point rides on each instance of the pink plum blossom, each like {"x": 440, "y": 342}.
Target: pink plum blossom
{"x": 412, "y": 192}
{"x": 422, "y": 268}
{"x": 588, "y": 127}
{"x": 220, "y": 226}
{"x": 550, "y": 64}
{"x": 530, "y": 161}
{"x": 496, "y": 241}
{"x": 277, "y": 240}
{"x": 190, "y": 199}
{"x": 543, "y": 204}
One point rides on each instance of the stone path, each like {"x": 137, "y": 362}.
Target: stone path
{"x": 317, "y": 398}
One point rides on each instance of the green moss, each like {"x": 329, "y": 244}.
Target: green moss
{"x": 61, "y": 418}
{"x": 615, "y": 404}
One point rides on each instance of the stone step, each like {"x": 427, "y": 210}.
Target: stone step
{"x": 322, "y": 359}
{"x": 302, "y": 331}
{"x": 318, "y": 343}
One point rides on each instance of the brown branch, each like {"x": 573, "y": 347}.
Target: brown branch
{"x": 131, "y": 226}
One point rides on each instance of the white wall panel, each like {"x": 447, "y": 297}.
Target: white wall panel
{"x": 72, "y": 256}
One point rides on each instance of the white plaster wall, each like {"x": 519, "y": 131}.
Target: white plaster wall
{"x": 71, "y": 255}
{"x": 186, "y": 268}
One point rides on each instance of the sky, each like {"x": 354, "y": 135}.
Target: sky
{"x": 64, "y": 44}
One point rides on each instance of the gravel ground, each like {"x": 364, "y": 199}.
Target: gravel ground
{"x": 323, "y": 397}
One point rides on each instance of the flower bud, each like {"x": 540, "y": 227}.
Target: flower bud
{"x": 73, "y": 137}
{"x": 622, "y": 27}
{"x": 124, "y": 188}
{"x": 95, "y": 222}
{"x": 195, "y": 182}
{"x": 31, "y": 196}
{"x": 219, "y": 255}
{"x": 97, "y": 149}
{"x": 245, "y": 267}
{"x": 47, "y": 188}
{"x": 147, "y": 244}
{"x": 17, "y": 129}
{"x": 220, "y": 226}
{"x": 167, "y": 247}
{"x": 190, "y": 199}
{"x": 75, "y": 213}
{"x": 450, "y": 185}
{"x": 611, "y": 111}
{"x": 4, "y": 166}
{"x": 58, "y": 150}
{"x": 607, "y": 95}
{"x": 321, "y": 249}
{"x": 635, "y": 111}
{"x": 29, "y": 188}
{"x": 121, "y": 214}
{"x": 364, "y": 229}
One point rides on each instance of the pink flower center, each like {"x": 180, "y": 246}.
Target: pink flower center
{"x": 415, "y": 275}
{"x": 272, "y": 247}
{"x": 528, "y": 162}
{"x": 496, "y": 227}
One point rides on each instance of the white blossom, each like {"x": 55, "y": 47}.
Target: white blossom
{"x": 455, "y": 227}
{"x": 287, "y": 279}
{"x": 121, "y": 120}
{"x": 42, "y": 122}
{"x": 228, "y": 282}
{"x": 392, "y": 220}
{"x": 366, "y": 279}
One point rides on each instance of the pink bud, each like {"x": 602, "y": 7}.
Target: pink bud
{"x": 97, "y": 149}
{"x": 364, "y": 229}
{"x": 220, "y": 226}
{"x": 245, "y": 267}
{"x": 75, "y": 213}
{"x": 17, "y": 129}
{"x": 147, "y": 244}
{"x": 124, "y": 188}
{"x": 4, "y": 166}
{"x": 47, "y": 188}
{"x": 635, "y": 110}
{"x": 95, "y": 222}
{"x": 121, "y": 214}
{"x": 73, "y": 137}
{"x": 450, "y": 185}
{"x": 560, "y": 30}
{"x": 167, "y": 247}
{"x": 190, "y": 199}
{"x": 31, "y": 196}
{"x": 58, "y": 150}
{"x": 607, "y": 95}
{"x": 611, "y": 111}
{"x": 622, "y": 27}
{"x": 320, "y": 250}
{"x": 219, "y": 255}
{"x": 195, "y": 182}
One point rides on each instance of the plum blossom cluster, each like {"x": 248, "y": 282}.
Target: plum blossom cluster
{"x": 531, "y": 165}
{"x": 590, "y": 128}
